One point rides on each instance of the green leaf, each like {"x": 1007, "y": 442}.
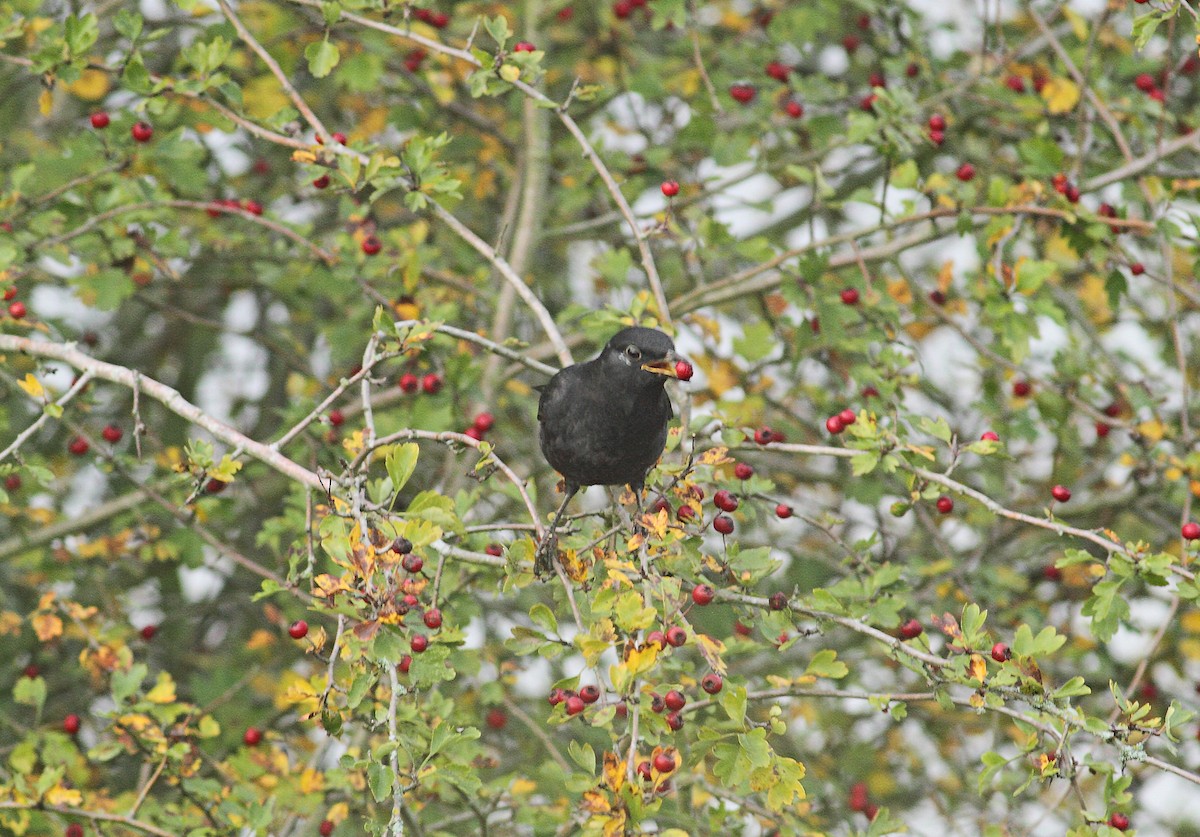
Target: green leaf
{"x": 583, "y": 755}
{"x": 905, "y": 175}
{"x": 733, "y": 701}
{"x": 937, "y": 428}
{"x": 826, "y": 664}
{"x": 128, "y": 23}
{"x": 379, "y": 778}
{"x": 1042, "y": 156}
{"x": 1032, "y": 274}
{"x": 31, "y": 691}
{"x": 1072, "y": 688}
{"x": 544, "y": 618}
{"x": 322, "y": 57}
{"x": 497, "y": 27}
{"x": 401, "y": 461}
{"x": 125, "y": 683}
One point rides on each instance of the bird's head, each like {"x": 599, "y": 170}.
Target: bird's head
{"x": 644, "y": 355}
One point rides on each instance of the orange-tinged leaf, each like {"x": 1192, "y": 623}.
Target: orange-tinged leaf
{"x": 899, "y": 290}
{"x": 614, "y": 772}
{"x": 711, "y": 649}
{"x": 1061, "y": 95}
{"x": 58, "y": 795}
{"x": 260, "y": 638}
{"x": 91, "y": 86}
{"x": 10, "y": 623}
{"x": 595, "y": 802}
{"x": 163, "y": 691}
{"x": 977, "y": 667}
{"x": 522, "y": 787}
{"x": 32, "y": 386}
{"x": 47, "y": 626}
{"x": 714, "y": 456}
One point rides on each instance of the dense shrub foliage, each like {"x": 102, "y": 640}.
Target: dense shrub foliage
{"x": 281, "y": 278}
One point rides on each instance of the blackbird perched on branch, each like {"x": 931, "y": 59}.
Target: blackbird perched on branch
{"x": 604, "y": 422}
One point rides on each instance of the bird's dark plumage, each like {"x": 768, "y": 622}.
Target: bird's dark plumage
{"x": 604, "y": 422}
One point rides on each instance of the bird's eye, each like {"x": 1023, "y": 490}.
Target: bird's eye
{"x": 634, "y": 352}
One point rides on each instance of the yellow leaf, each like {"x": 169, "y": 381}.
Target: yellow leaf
{"x": 510, "y": 73}
{"x": 296, "y": 691}
{"x": 1190, "y": 621}
{"x": 898, "y": 290}
{"x": 260, "y": 638}
{"x": 58, "y": 795}
{"x": 641, "y": 660}
{"x": 10, "y": 623}
{"x": 1152, "y": 430}
{"x": 978, "y": 668}
{"x": 46, "y": 102}
{"x": 614, "y": 772}
{"x": 47, "y": 626}
{"x": 711, "y": 649}
{"x": 311, "y": 781}
{"x": 32, "y": 386}
{"x": 163, "y": 691}
{"x": 263, "y": 97}
{"x": 522, "y": 787}
{"x": 301, "y": 155}
{"x": 1061, "y": 95}
{"x": 714, "y": 456}
{"x": 1094, "y": 296}
{"x": 353, "y": 444}
{"x": 91, "y": 86}
{"x": 976, "y": 700}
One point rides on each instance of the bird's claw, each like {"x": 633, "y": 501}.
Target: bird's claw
{"x": 547, "y": 551}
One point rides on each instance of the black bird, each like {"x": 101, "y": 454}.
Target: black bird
{"x": 604, "y": 422}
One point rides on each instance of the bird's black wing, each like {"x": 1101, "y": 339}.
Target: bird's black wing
{"x": 549, "y": 391}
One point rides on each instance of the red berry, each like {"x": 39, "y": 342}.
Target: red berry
{"x": 850, "y": 43}
{"x": 989, "y": 436}
{"x": 685, "y": 513}
{"x": 683, "y": 370}
{"x": 590, "y": 693}
{"x": 965, "y": 173}
{"x": 711, "y": 683}
{"x": 405, "y": 664}
{"x": 911, "y": 629}
{"x": 622, "y": 9}
{"x": 12, "y": 483}
{"x": 664, "y": 763}
{"x": 431, "y": 383}
{"x": 523, "y": 46}
{"x": 794, "y": 109}
{"x": 877, "y": 80}
{"x": 74, "y": 830}
{"x": 111, "y": 433}
{"x": 252, "y": 736}
{"x": 1060, "y": 183}
{"x": 78, "y": 446}
{"x": 566, "y": 13}
{"x": 371, "y": 245}
{"x": 148, "y": 632}
{"x": 298, "y": 629}
{"x": 253, "y": 207}
{"x": 1051, "y": 573}
{"x": 657, "y": 705}
{"x": 1060, "y": 493}
{"x": 1118, "y": 821}
{"x": 742, "y": 92}
{"x": 778, "y": 601}
{"x": 723, "y": 524}
{"x": 762, "y": 436}
{"x": 779, "y": 71}
{"x": 847, "y": 417}
{"x": 850, "y": 296}
{"x": 1144, "y": 82}
{"x": 17, "y": 310}
{"x": 141, "y": 131}
{"x": 10, "y": 292}
{"x": 71, "y": 724}
{"x": 321, "y": 182}
{"x": 863, "y": 22}
{"x": 494, "y": 549}
{"x": 743, "y": 630}
{"x": 725, "y": 501}
{"x": 413, "y": 563}
{"x": 432, "y": 619}
{"x": 31, "y": 671}
{"x": 670, "y": 188}
{"x": 783, "y": 511}
{"x": 702, "y": 594}
{"x": 834, "y": 424}
{"x": 937, "y": 122}
{"x": 857, "y": 800}
{"x": 937, "y": 137}
{"x": 100, "y": 119}
{"x": 643, "y": 770}
{"x": 1073, "y": 193}
{"x": 483, "y": 422}
{"x": 556, "y": 697}
{"x": 418, "y": 643}
{"x": 675, "y": 721}
{"x": 413, "y": 60}
{"x": 1021, "y": 389}
{"x": 1191, "y": 531}
{"x": 945, "y": 505}
{"x": 937, "y": 297}
{"x": 743, "y": 471}
{"x": 1001, "y": 652}
{"x": 912, "y": 70}
{"x": 337, "y": 418}
{"x": 675, "y": 700}
{"x": 867, "y": 102}
{"x": 1015, "y": 84}
{"x": 656, "y": 638}
{"x": 575, "y": 705}
{"x": 325, "y": 828}
{"x": 1102, "y": 429}
{"x": 676, "y": 636}
{"x": 409, "y": 382}
{"x": 496, "y": 719}
{"x": 1137, "y": 269}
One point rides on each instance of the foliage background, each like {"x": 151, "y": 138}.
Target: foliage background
{"x": 494, "y": 212}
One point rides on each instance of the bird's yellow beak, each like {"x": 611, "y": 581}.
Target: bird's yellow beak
{"x": 665, "y": 366}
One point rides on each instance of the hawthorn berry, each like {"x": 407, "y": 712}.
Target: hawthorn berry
{"x": 484, "y": 422}
{"x": 965, "y": 173}
{"x": 431, "y": 383}
{"x": 12, "y": 482}
{"x": 777, "y": 601}
{"x": 1137, "y": 268}
{"x": 298, "y": 629}
{"x": 1060, "y": 493}
{"x": 419, "y": 643}
{"x": 676, "y": 636}
{"x": 742, "y": 92}
{"x": 945, "y": 505}
{"x": 1118, "y": 821}
{"x": 1021, "y": 389}
{"x": 778, "y": 71}
{"x": 849, "y": 296}
{"x": 17, "y": 310}
{"x": 1144, "y": 82}
{"x": 575, "y": 705}
{"x": 702, "y": 594}
{"x": 685, "y": 513}
{"x": 794, "y": 109}
{"x": 432, "y": 619}
{"x": 743, "y": 471}
{"x": 413, "y": 563}
{"x": 1001, "y": 652}
{"x": 590, "y": 693}
{"x": 252, "y": 736}
{"x": 70, "y": 724}
{"x": 78, "y": 446}
{"x": 670, "y": 188}
{"x": 405, "y": 664}
{"x": 989, "y": 436}
{"x": 523, "y": 46}
{"x": 675, "y": 700}
{"x": 657, "y": 706}
{"x": 496, "y": 719}
{"x": 111, "y": 433}
{"x": 1191, "y": 531}
{"x": 664, "y": 763}
{"x": 1015, "y": 83}
{"x": 409, "y": 382}
{"x": 148, "y": 632}
{"x": 783, "y": 511}
{"x": 74, "y": 830}
{"x": 723, "y": 524}
{"x": 857, "y": 800}
{"x": 683, "y": 370}
{"x": 402, "y": 545}
{"x": 556, "y": 697}
{"x": 657, "y": 638}
{"x": 725, "y": 501}
{"x": 911, "y": 629}
{"x": 100, "y": 119}
{"x": 674, "y": 721}
{"x": 494, "y": 549}
{"x": 141, "y": 131}
{"x": 764, "y": 436}
{"x": 371, "y": 245}
{"x": 834, "y": 424}
{"x": 711, "y": 683}
{"x": 253, "y": 207}
{"x": 848, "y": 417}
{"x": 321, "y": 182}
{"x": 325, "y": 829}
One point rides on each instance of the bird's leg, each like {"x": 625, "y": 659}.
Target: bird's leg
{"x": 548, "y": 548}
